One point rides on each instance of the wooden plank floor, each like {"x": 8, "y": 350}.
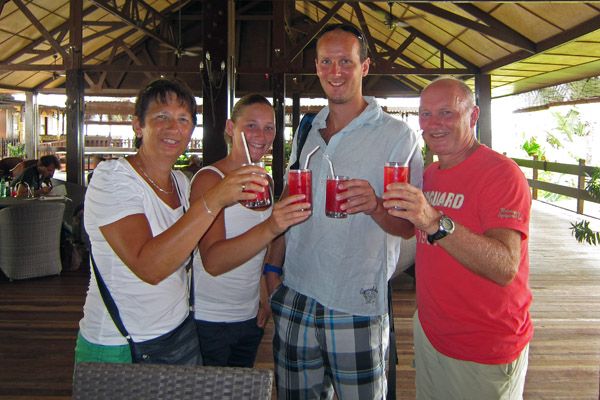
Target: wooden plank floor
{"x": 39, "y": 322}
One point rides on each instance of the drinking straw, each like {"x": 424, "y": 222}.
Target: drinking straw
{"x": 412, "y": 151}
{"x": 246, "y": 148}
{"x": 308, "y": 156}
{"x": 330, "y": 164}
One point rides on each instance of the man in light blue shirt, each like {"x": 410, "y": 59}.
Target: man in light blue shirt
{"x": 330, "y": 313}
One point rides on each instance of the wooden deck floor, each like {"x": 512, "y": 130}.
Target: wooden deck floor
{"x": 39, "y": 322}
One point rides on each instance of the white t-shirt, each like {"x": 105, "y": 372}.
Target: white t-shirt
{"x": 147, "y": 311}
{"x": 234, "y": 295}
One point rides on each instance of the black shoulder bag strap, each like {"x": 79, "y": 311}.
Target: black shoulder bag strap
{"x": 303, "y": 129}
{"x": 109, "y": 302}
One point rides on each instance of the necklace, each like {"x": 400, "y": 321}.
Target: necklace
{"x": 152, "y": 182}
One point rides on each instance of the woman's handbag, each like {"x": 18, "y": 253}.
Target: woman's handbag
{"x": 180, "y": 346}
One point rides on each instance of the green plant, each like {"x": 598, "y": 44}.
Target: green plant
{"x": 533, "y": 148}
{"x": 287, "y": 149}
{"x": 183, "y": 159}
{"x": 570, "y": 124}
{"x": 581, "y": 230}
{"x": 593, "y": 184}
{"x": 16, "y": 150}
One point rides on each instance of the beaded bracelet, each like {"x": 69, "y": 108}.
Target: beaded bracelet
{"x": 206, "y": 206}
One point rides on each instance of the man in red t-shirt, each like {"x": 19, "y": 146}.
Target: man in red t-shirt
{"x": 472, "y": 326}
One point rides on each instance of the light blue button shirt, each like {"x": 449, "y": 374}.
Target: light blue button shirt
{"x": 344, "y": 264}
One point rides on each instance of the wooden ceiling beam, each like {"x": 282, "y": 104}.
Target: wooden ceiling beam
{"x": 142, "y": 17}
{"x": 502, "y": 27}
{"x": 314, "y": 31}
{"x": 38, "y": 25}
{"x": 240, "y": 11}
{"x": 107, "y": 46}
{"x": 364, "y": 27}
{"x": 577, "y": 31}
{"x": 443, "y": 50}
{"x": 398, "y": 52}
{"x": 471, "y": 68}
{"x": 136, "y": 60}
{"x": 30, "y": 48}
{"x": 498, "y": 31}
{"x": 373, "y": 70}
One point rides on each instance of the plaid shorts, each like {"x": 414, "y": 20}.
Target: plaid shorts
{"x": 317, "y": 350}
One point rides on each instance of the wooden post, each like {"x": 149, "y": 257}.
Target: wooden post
{"x": 580, "y": 185}
{"x": 534, "y": 191}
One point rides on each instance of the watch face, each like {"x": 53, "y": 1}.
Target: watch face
{"x": 447, "y": 224}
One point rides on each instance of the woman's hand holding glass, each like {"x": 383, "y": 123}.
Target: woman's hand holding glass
{"x": 232, "y": 188}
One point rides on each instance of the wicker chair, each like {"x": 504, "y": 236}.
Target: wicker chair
{"x": 152, "y": 381}
{"x": 20, "y": 167}
{"x": 30, "y": 239}
{"x": 7, "y": 164}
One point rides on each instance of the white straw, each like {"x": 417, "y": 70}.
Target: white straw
{"x": 308, "y": 156}
{"x": 246, "y": 148}
{"x": 412, "y": 151}
{"x": 330, "y": 164}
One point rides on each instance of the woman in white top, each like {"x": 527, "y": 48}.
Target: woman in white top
{"x": 140, "y": 233}
{"x": 231, "y": 304}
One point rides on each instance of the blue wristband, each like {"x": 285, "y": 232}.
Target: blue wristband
{"x": 272, "y": 268}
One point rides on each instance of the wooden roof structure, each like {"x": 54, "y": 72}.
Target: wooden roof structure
{"x": 226, "y": 48}
{"x": 521, "y": 45}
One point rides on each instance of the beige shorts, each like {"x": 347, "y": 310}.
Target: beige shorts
{"x": 442, "y": 377}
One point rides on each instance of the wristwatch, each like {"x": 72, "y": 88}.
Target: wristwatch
{"x": 446, "y": 228}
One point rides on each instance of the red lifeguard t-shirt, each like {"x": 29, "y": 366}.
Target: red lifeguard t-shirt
{"x": 465, "y": 316}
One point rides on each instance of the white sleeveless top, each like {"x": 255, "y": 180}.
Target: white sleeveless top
{"x": 234, "y": 295}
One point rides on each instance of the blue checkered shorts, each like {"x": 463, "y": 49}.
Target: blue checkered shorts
{"x": 318, "y": 350}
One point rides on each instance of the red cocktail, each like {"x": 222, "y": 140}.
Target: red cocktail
{"x": 394, "y": 172}
{"x": 332, "y": 206}
{"x": 262, "y": 198}
{"x": 299, "y": 182}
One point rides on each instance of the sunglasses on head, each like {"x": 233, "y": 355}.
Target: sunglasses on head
{"x": 343, "y": 27}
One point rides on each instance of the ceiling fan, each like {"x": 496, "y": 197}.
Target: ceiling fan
{"x": 393, "y": 22}
{"x": 180, "y": 50}
{"x": 55, "y": 73}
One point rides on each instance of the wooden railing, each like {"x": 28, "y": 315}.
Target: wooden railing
{"x": 581, "y": 171}
{"x": 4, "y": 146}
{"x": 105, "y": 146}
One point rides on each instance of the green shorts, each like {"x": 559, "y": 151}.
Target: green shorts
{"x": 442, "y": 377}
{"x": 90, "y": 352}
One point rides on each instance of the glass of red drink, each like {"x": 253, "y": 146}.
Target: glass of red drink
{"x": 394, "y": 172}
{"x": 299, "y": 182}
{"x": 262, "y": 198}
{"x": 332, "y": 206}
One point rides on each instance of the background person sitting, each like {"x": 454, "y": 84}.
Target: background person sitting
{"x": 36, "y": 175}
